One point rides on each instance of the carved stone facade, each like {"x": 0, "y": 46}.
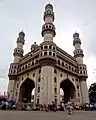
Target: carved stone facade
{"x": 47, "y": 68}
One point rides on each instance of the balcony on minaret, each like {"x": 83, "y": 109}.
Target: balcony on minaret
{"x": 48, "y": 28}
{"x": 13, "y": 69}
{"x": 48, "y": 16}
{"x": 78, "y": 53}
{"x": 82, "y": 70}
{"x": 18, "y": 52}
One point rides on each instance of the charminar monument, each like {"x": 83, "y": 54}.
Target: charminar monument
{"x": 47, "y": 68}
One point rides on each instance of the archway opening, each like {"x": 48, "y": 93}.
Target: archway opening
{"x": 27, "y": 91}
{"x": 67, "y": 90}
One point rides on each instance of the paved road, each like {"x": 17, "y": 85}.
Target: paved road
{"x": 24, "y": 115}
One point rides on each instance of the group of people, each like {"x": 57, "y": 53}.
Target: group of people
{"x": 49, "y": 107}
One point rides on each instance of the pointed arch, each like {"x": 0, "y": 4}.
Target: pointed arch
{"x": 68, "y": 89}
{"x": 26, "y": 89}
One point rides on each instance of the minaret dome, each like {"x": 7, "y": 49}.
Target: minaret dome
{"x": 21, "y": 34}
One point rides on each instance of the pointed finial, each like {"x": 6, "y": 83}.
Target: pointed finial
{"x": 22, "y": 30}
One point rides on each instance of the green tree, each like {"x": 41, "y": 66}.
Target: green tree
{"x": 92, "y": 93}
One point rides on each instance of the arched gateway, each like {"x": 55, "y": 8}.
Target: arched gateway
{"x": 47, "y": 65}
{"x": 69, "y": 90}
{"x": 26, "y": 88}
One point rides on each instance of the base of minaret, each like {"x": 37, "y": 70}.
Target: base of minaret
{"x": 84, "y": 91}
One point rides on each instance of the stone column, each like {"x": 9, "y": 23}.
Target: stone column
{"x": 47, "y": 84}
{"x": 84, "y": 92}
{"x": 11, "y": 88}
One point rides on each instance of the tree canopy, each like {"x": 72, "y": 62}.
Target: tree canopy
{"x": 92, "y": 93}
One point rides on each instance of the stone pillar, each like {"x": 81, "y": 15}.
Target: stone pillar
{"x": 47, "y": 90}
{"x": 84, "y": 92}
{"x": 11, "y": 88}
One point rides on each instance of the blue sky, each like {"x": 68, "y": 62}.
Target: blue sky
{"x": 70, "y": 15}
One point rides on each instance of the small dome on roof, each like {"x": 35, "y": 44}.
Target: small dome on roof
{"x": 33, "y": 46}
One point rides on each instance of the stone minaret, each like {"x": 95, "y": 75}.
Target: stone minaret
{"x": 48, "y": 29}
{"x": 82, "y": 69}
{"x": 47, "y": 61}
{"x": 18, "y": 53}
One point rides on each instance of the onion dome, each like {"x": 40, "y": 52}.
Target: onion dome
{"x": 21, "y": 34}
{"x": 33, "y": 46}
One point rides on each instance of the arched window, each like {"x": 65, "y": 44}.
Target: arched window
{"x": 49, "y": 26}
{"x": 76, "y": 80}
{"x": 28, "y": 64}
{"x": 80, "y": 67}
{"x": 31, "y": 55}
{"x": 59, "y": 62}
{"x": 14, "y": 71}
{"x": 41, "y": 47}
{"x": 55, "y": 80}
{"x": 77, "y": 86}
{"x": 80, "y": 72}
{"x": 63, "y": 64}
{"x": 55, "y": 71}
{"x": 27, "y": 74}
{"x": 15, "y": 66}
{"x": 37, "y": 100}
{"x": 69, "y": 67}
{"x": 45, "y": 47}
{"x": 25, "y": 66}
{"x": 54, "y": 54}
{"x": 38, "y": 89}
{"x": 45, "y": 53}
{"x": 53, "y": 48}
{"x": 61, "y": 75}
{"x": 55, "y": 90}
{"x": 84, "y": 72}
{"x": 78, "y": 94}
{"x": 39, "y": 71}
{"x": 32, "y": 63}
{"x": 50, "y": 53}
{"x": 39, "y": 79}
{"x": 50, "y": 47}
{"x": 33, "y": 74}
{"x": 66, "y": 65}
{"x": 41, "y": 54}
{"x": 46, "y": 26}
{"x": 36, "y": 61}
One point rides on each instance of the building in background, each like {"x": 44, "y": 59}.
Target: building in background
{"x": 47, "y": 68}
